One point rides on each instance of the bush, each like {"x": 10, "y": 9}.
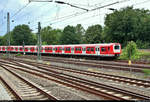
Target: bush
{"x": 130, "y": 51}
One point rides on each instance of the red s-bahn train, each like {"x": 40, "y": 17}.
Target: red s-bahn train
{"x": 98, "y": 50}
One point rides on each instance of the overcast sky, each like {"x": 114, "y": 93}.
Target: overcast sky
{"x": 59, "y": 15}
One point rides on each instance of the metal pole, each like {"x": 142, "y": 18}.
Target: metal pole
{"x": 8, "y": 32}
{"x": 39, "y": 41}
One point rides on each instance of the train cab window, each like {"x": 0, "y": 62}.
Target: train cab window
{"x": 103, "y": 49}
{"x": 117, "y": 47}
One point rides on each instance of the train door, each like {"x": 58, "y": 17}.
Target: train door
{"x": 63, "y": 50}
{"x": 72, "y": 50}
{"x": 97, "y": 50}
{"x": 83, "y": 50}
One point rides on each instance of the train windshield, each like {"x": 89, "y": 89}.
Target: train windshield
{"x": 117, "y": 47}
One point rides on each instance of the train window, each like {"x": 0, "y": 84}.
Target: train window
{"x": 60, "y": 48}
{"x": 79, "y": 49}
{"x": 48, "y": 48}
{"x": 108, "y": 48}
{"x": 20, "y": 48}
{"x": 76, "y": 49}
{"x": 88, "y": 49}
{"x": 67, "y": 49}
{"x": 103, "y": 49}
{"x": 98, "y": 49}
{"x": 117, "y": 47}
{"x": 92, "y": 49}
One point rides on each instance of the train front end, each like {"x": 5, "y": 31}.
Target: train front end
{"x": 117, "y": 49}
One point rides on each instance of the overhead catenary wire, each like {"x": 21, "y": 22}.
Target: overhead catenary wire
{"x": 20, "y": 10}
{"x": 76, "y": 14}
{"x": 80, "y": 13}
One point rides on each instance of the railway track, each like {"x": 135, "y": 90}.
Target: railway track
{"x": 97, "y": 64}
{"x": 131, "y": 81}
{"x": 12, "y": 93}
{"x": 99, "y": 89}
{"x": 25, "y": 89}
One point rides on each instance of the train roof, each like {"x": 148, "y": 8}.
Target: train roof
{"x": 102, "y": 44}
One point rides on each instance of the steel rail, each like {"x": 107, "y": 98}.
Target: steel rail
{"x": 29, "y": 83}
{"x": 17, "y": 97}
{"x": 72, "y": 84}
{"x": 76, "y": 79}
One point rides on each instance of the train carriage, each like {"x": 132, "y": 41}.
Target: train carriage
{"x": 104, "y": 50}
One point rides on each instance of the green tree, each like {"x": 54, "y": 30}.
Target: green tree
{"x": 80, "y": 32}
{"x": 127, "y": 24}
{"x": 69, "y": 36}
{"x": 22, "y": 33}
{"x": 93, "y": 34}
{"x": 4, "y": 39}
{"x": 50, "y": 36}
{"x": 1, "y": 40}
